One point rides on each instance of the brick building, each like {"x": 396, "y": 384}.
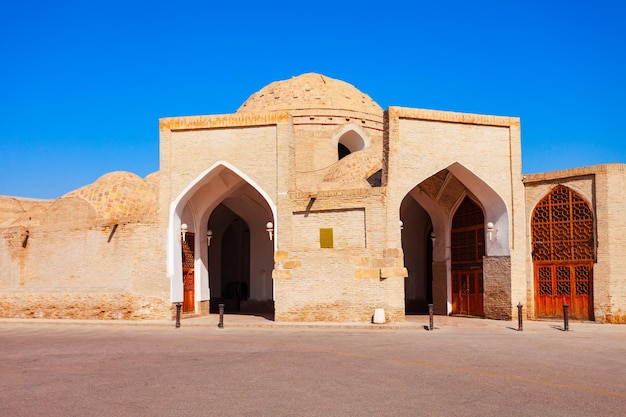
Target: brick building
{"x": 312, "y": 203}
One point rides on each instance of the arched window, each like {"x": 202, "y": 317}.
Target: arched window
{"x": 349, "y": 142}
{"x": 562, "y": 226}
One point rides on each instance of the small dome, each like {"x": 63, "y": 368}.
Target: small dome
{"x": 310, "y": 91}
{"x": 356, "y": 166}
{"x": 120, "y": 197}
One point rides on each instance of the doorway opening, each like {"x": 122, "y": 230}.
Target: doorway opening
{"x": 239, "y": 267}
{"x": 417, "y": 245}
{"x": 467, "y": 251}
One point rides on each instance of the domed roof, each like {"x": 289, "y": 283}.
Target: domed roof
{"x": 310, "y": 91}
{"x": 119, "y": 197}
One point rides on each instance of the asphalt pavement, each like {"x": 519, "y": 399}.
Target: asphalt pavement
{"x": 256, "y": 367}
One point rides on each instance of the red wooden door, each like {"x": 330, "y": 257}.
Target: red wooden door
{"x": 188, "y": 273}
{"x": 467, "y": 250}
{"x": 467, "y": 293}
{"x": 188, "y": 290}
{"x": 556, "y": 285}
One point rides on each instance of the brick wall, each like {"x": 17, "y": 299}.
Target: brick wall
{"x": 84, "y": 273}
{"x": 497, "y": 287}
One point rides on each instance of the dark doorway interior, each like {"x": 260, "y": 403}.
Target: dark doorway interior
{"x": 418, "y": 256}
{"x": 229, "y": 273}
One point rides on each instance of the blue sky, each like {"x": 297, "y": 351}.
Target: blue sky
{"x": 85, "y": 83}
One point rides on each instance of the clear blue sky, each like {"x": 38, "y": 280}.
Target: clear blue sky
{"x": 84, "y": 83}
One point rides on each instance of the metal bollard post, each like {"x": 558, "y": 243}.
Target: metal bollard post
{"x": 565, "y": 317}
{"x": 520, "y": 325}
{"x": 178, "y": 307}
{"x": 430, "y": 314}
{"x": 221, "y": 323}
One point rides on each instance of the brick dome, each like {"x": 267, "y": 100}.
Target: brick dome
{"x": 310, "y": 91}
{"x": 120, "y": 197}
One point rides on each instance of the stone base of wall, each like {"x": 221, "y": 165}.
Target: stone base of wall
{"x": 497, "y": 287}
{"x": 203, "y": 307}
{"x": 617, "y": 318}
{"x": 84, "y": 306}
{"x": 338, "y": 313}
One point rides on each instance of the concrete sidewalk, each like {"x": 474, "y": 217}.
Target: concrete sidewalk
{"x": 412, "y": 323}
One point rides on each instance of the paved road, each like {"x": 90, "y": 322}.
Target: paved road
{"x": 462, "y": 368}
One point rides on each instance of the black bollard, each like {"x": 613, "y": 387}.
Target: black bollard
{"x": 221, "y": 323}
{"x": 520, "y": 325}
{"x": 430, "y": 314}
{"x": 178, "y": 307}
{"x": 565, "y": 317}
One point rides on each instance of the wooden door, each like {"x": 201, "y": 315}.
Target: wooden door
{"x": 188, "y": 273}
{"x": 468, "y": 249}
{"x": 467, "y": 293}
{"x": 556, "y": 285}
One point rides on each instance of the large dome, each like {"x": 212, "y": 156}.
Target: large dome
{"x": 310, "y": 91}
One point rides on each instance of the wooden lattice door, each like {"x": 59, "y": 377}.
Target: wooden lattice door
{"x": 468, "y": 249}
{"x": 563, "y": 255}
{"x": 188, "y": 273}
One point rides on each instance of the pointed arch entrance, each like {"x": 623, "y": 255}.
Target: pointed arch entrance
{"x": 562, "y": 227}
{"x": 225, "y": 214}
{"x": 458, "y": 276}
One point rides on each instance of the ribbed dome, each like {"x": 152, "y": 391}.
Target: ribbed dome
{"x": 310, "y": 91}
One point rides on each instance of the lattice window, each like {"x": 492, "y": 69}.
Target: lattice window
{"x": 545, "y": 280}
{"x": 582, "y": 275}
{"x": 562, "y": 280}
{"x": 562, "y": 227}
{"x": 468, "y": 214}
{"x": 188, "y": 251}
{"x": 468, "y": 236}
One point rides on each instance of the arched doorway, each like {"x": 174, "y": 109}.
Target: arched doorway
{"x": 563, "y": 255}
{"x": 461, "y": 274}
{"x": 229, "y": 251}
{"x": 467, "y": 251}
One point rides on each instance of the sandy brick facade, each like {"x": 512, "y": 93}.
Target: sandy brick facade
{"x": 310, "y": 203}
{"x": 71, "y": 259}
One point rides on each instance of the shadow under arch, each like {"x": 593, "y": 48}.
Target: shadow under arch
{"x": 220, "y": 184}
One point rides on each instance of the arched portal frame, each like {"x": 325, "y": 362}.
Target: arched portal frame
{"x": 495, "y": 211}
{"x": 181, "y": 211}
